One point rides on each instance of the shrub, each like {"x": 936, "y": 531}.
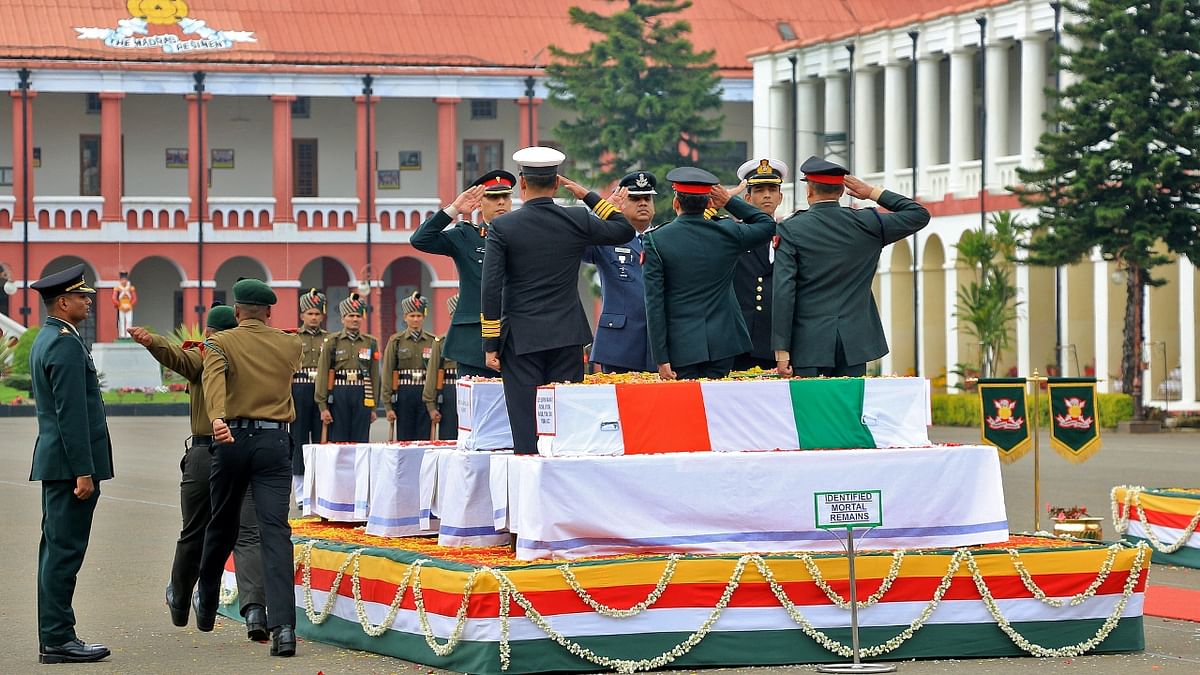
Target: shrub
{"x": 962, "y": 410}
{"x": 22, "y": 381}
{"x": 20, "y": 364}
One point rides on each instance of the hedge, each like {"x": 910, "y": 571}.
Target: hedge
{"x": 962, "y": 410}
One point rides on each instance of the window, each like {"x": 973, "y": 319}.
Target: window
{"x": 92, "y": 104}
{"x": 89, "y": 166}
{"x": 6, "y": 175}
{"x": 300, "y": 107}
{"x": 304, "y": 167}
{"x": 479, "y": 157}
{"x": 483, "y": 109}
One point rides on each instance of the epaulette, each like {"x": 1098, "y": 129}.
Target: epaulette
{"x": 64, "y": 331}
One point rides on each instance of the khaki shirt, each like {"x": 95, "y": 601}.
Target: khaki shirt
{"x": 342, "y": 352}
{"x": 404, "y": 353}
{"x": 310, "y": 353}
{"x": 248, "y": 372}
{"x": 429, "y": 395}
{"x": 189, "y": 363}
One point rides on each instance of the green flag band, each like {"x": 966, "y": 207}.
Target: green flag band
{"x": 1004, "y": 419}
{"x": 1074, "y": 419}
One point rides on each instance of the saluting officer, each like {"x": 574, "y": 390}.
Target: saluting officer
{"x": 440, "y": 393}
{"x": 826, "y": 322}
{"x": 307, "y": 427}
{"x": 465, "y": 243}
{"x": 247, "y": 373}
{"x": 347, "y": 377}
{"x": 753, "y": 280}
{"x": 696, "y": 329}
{"x": 533, "y": 322}
{"x": 72, "y": 454}
{"x": 194, "y": 500}
{"x": 622, "y": 344}
{"x": 404, "y": 361}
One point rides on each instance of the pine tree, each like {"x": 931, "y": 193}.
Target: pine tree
{"x": 643, "y": 98}
{"x": 1121, "y": 172}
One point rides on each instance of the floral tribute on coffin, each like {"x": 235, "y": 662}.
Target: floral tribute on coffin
{"x": 1163, "y": 518}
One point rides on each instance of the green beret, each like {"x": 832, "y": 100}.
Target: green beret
{"x": 253, "y": 292}
{"x": 221, "y": 318}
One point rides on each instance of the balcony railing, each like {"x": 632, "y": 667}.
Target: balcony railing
{"x": 1006, "y": 173}
{"x": 7, "y": 210}
{"x": 76, "y": 213}
{"x": 404, "y": 213}
{"x": 236, "y": 213}
{"x": 325, "y": 213}
{"x": 937, "y": 177}
{"x": 156, "y": 213}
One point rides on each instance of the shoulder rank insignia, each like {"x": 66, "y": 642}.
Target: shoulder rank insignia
{"x": 64, "y": 331}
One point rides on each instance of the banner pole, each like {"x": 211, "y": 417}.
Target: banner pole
{"x": 1036, "y": 379}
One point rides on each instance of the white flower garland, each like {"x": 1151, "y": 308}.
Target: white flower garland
{"x": 842, "y": 603}
{"x": 315, "y": 617}
{"x": 1076, "y": 599}
{"x": 605, "y": 610}
{"x": 460, "y": 618}
{"x": 1133, "y": 494}
{"x": 360, "y": 607}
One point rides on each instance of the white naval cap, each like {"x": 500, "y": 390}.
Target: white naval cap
{"x": 764, "y": 171}
{"x": 539, "y": 160}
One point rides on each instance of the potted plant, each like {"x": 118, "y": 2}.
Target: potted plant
{"x": 1074, "y": 521}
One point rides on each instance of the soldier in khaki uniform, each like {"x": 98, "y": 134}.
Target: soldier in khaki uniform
{"x": 348, "y": 377}
{"x": 307, "y": 427}
{"x": 247, "y": 373}
{"x": 194, "y": 501}
{"x": 404, "y": 361}
{"x": 439, "y": 393}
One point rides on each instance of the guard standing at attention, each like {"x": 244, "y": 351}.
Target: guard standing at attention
{"x": 533, "y": 323}
{"x": 194, "y": 501}
{"x": 348, "y": 377}
{"x": 696, "y": 329}
{"x": 307, "y": 427}
{"x": 440, "y": 392}
{"x": 752, "y": 282}
{"x": 247, "y": 376}
{"x": 826, "y": 322}
{"x": 404, "y": 361}
{"x": 465, "y": 242}
{"x": 72, "y": 454}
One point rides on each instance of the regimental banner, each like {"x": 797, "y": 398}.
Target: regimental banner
{"x": 1004, "y": 420}
{"x": 1074, "y": 419}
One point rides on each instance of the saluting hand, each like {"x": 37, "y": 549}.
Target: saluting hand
{"x": 221, "y": 432}
{"x": 619, "y": 198}
{"x": 84, "y": 487}
{"x": 469, "y": 200}
{"x": 857, "y": 188}
{"x": 141, "y": 336}
{"x": 721, "y": 195}
{"x": 665, "y": 372}
{"x": 574, "y": 188}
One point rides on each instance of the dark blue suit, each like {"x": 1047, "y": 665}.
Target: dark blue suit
{"x": 622, "y": 341}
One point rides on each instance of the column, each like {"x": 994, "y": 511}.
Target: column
{"x": 886, "y": 366}
{"x": 896, "y": 141}
{"x": 835, "y": 117}
{"x": 951, "y": 299}
{"x": 997, "y": 111}
{"x": 864, "y": 122}
{"x": 1024, "y": 349}
{"x": 1033, "y": 98}
{"x": 364, "y": 160}
{"x": 807, "y": 121}
{"x": 447, "y": 124}
{"x": 197, "y": 160}
{"x": 761, "y": 114}
{"x": 779, "y": 145}
{"x": 1063, "y": 355}
{"x": 527, "y": 109}
{"x": 282, "y": 179}
{"x": 929, "y": 116}
{"x": 1100, "y": 289}
{"x": 1187, "y": 329}
{"x": 20, "y": 179}
{"x": 286, "y": 312}
{"x": 962, "y": 116}
{"x": 110, "y": 155}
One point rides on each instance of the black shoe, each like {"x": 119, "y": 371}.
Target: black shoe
{"x": 256, "y": 623}
{"x": 179, "y": 612}
{"x": 204, "y": 618}
{"x": 283, "y": 641}
{"x": 76, "y": 651}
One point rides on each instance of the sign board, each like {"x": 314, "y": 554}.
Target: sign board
{"x": 851, "y": 508}
{"x": 544, "y": 407}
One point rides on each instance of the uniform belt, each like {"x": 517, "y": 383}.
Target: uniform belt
{"x": 256, "y": 424}
{"x": 305, "y": 375}
{"x": 410, "y": 377}
{"x": 450, "y": 374}
{"x": 201, "y": 439}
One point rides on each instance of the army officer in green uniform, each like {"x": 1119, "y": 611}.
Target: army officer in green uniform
{"x": 307, "y": 427}
{"x": 403, "y": 372}
{"x": 348, "y": 377}
{"x": 825, "y": 321}
{"x": 72, "y": 455}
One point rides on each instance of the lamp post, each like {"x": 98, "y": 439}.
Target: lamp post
{"x": 23, "y": 85}
{"x": 198, "y": 76}
{"x": 529, "y": 83}
{"x": 370, "y": 178}
{"x": 912, "y": 138}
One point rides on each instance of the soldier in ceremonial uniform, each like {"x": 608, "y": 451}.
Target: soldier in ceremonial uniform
{"x": 696, "y": 329}
{"x": 307, "y": 427}
{"x": 465, "y": 242}
{"x": 403, "y": 372}
{"x": 194, "y": 500}
{"x": 533, "y": 323}
{"x": 348, "y": 377}
{"x": 622, "y": 344}
{"x": 72, "y": 454}
{"x": 247, "y": 375}
{"x": 825, "y": 320}
{"x": 752, "y": 282}
{"x": 440, "y": 393}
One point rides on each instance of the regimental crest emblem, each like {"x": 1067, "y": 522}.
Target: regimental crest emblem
{"x": 1074, "y": 418}
{"x": 642, "y": 181}
{"x": 1005, "y": 418}
{"x": 166, "y": 25}
{"x": 764, "y": 167}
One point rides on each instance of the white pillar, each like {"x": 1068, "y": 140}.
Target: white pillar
{"x": 997, "y": 111}
{"x": 1187, "y": 329}
{"x": 1033, "y": 98}
{"x": 1149, "y": 357}
{"x": 808, "y": 120}
{"x": 864, "y": 122}
{"x": 885, "y": 317}
{"x": 929, "y": 108}
{"x": 895, "y": 128}
{"x": 1066, "y": 356}
{"x": 835, "y": 112}
{"x": 1024, "y": 350}
{"x": 951, "y": 269}
{"x": 779, "y": 146}
{"x": 1100, "y": 283}
{"x": 761, "y": 111}
{"x": 962, "y": 116}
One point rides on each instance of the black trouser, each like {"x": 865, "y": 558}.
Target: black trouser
{"x": 713, "y": 370}
{"x": 840, "y": 367}
{"x": 617, "y": 370}
{"x": 197, "y": 511}
{"x": 351, "y": 419}
{"x": 412, "y": 419}
{"x": 261, "y": 460}
{"x": 66, "y": 528}
{"x": 307, "y": 426}
{"x": 523, "y": 374}
{"x": 448, "y": 427}
{"x": 746, "y": 362}
{"x": 465, "y": 369}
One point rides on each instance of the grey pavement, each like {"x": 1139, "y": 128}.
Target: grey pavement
{"x": 119, "y": 598}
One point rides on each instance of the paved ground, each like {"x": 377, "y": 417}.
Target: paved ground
{"x": 119, "y": 600}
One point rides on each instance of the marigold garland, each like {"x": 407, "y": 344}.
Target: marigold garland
{"x": 1133, "y": 495}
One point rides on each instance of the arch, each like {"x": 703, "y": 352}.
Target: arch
{"x": 88, "y": 330}
{"x": 400, "y": 278}
{"x": 934, "y": 313}
{"x": 333, "y": 277}
{"x": 903, "y": 351}
{"x": 232, "y": 268}
{"x": 158, "y": 281}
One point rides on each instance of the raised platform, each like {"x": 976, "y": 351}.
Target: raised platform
{"x": 1166, "y": 519}
{"x": 481, "y": 611}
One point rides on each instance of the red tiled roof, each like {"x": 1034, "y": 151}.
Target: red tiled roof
{"x": 435, "y": 33}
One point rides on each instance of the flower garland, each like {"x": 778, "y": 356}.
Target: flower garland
{"x": 605, "y": 610}
{"x": 839, "y": 601}
{"x": 1121, "y": 522}
{"x": 1101, "y": 635}
{"x": 1078, "y": 598}
{"x": 460, "y": 618}
{"x": 306, "y": 560}
{"x": 360, "y": 607}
